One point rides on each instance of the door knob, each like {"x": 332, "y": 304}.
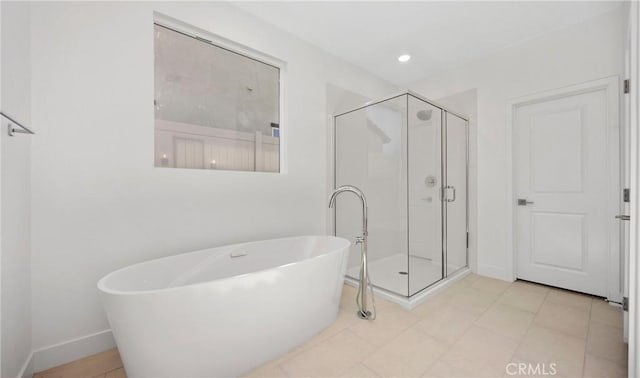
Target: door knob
{"x": 524, "y": 202}
{"x": 623, "y": 217}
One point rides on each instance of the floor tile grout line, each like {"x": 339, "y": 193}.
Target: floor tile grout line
{"x": 562, "y": 331}
{"x": 348, "y": 328}
{"x": 492, "y": 303}
{"x": 109, "y": 371}
{"x": 361, "y": 361}
{"x": 515, "y": 351}
{"x": 392, "y": 339}
{"x": 586, "y": 343}
{"x": 452, "y": 344}
{"x": 282, "y": 370}
{"x": 325, "y": 341}
{"x": 613, "y": 361}
{"x": 446, "y": 348}
{"x": 303, "y": 349}
{"x": 510, "y": 304}
{"x": 447, "y": 345}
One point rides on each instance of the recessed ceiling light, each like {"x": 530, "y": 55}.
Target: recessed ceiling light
{"x": 404, "y": 58}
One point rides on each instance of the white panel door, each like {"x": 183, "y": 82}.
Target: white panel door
{"x": 563, "y": 162}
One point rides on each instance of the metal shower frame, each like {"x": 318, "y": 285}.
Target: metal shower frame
{"x": 443, "y": 184}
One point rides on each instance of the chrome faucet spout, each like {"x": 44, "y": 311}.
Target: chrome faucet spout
{"x": 363, "y": 199}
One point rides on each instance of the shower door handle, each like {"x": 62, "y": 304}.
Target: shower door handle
{"x": 453, "y": 188}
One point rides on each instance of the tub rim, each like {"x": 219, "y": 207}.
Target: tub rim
{"x": 104, "y": 290}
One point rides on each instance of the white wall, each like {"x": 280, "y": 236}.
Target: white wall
{"x": 15, "y": 192}
{"x": 583, "y": 52}
{"x": 98, "y": 203}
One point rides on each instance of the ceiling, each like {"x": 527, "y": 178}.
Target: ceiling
{"x": 438, "y": 35}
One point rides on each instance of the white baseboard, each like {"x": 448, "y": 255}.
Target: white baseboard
{"x": 493, "y": 271}
{"x": 67, "y": 351}
{"x": 27, "y": 369}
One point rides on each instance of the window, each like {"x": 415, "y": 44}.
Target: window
{"x": 214, "y": 108}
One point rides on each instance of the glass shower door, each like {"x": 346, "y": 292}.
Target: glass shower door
{"x": 370, "y": 153}
{"x": 456, "y": 211}
{"x": 425, "y": 182}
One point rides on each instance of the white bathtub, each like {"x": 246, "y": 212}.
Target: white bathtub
{"x": 221, "y": 312}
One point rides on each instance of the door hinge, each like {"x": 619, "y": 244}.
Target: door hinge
{"x": 467, "y": 239}
{"x": 627, "y": 86}
{"x": 201, "y": 39}
{"x": 626, "y": 192}
{"x": 625, "y": 303}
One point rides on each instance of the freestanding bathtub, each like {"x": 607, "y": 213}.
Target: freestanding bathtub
{"x": 221, "y": 312}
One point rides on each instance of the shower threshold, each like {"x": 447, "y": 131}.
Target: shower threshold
{"x": 388, "y": 280}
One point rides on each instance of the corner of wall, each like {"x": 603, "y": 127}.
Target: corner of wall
{"x": 493, "y": 271}
{"x": 27, "y": 370}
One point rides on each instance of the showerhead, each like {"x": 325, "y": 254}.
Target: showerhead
{"x": 424, "y": 115}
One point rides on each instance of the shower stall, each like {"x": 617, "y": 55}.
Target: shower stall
{"x": 409, "y": 156}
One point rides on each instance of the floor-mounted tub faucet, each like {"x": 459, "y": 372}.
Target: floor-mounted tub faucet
{"x": 361, "y": 297}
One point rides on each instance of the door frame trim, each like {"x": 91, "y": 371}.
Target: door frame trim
{"x": 634, "y": 232}
{"x": 611, "y": 87}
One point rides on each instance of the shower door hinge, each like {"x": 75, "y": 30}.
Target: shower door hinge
{"x": 626, "y": 195}
{"x": 627, "y": 86}
{"x": 201, "y": 39}
{"x": 625, "y": 304}
{"x": 467, "y": 239}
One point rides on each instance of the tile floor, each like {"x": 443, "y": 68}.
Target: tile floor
{"x": 476, "y": 328}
